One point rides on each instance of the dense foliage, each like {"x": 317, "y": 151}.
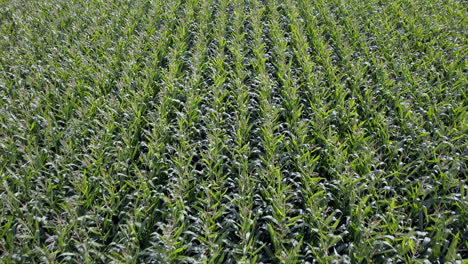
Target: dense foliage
{"x": 233, "y": 131}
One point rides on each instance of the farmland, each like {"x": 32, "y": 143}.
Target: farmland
{"x": 233, "y": 131}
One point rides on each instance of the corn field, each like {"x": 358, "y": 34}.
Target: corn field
{"x": 233, "y": 131}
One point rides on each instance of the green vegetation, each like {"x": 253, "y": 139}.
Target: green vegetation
{"x": 233, "y": 131}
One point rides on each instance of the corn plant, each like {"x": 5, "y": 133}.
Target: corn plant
{"x": 233, "y": 131}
